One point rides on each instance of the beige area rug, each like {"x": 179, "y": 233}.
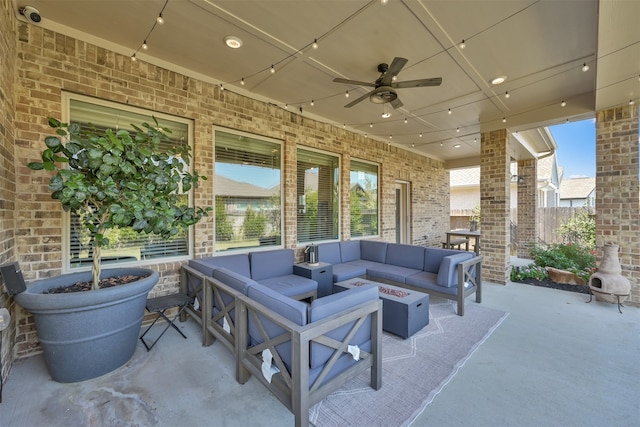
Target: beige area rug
{"x": 423, "y": 364}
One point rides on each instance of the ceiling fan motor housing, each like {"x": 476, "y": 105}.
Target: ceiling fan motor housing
{"x": 383, "y": 95}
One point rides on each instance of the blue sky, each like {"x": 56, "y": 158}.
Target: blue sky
{"x": 576, "y": 148}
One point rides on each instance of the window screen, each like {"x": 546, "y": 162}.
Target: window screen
{"x": 363, "y": 199}
{"x": 125, "y": 244}
{"x": 317, "y": 192}
{"x": 247, "y": 190}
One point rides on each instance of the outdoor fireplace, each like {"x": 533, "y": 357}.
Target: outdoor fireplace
{"x": 608, "y": 284}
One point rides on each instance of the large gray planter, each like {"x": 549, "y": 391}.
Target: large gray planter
{"x": 87, "y": 334}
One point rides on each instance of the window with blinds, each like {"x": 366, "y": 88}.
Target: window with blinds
{"x": 247, "y": 186}
{"x": 318, "y": 196}
{"x": 125, "y": 244}
{"x": 363, "y": 191}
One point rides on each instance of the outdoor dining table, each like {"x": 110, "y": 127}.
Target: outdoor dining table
{"x": 466, "y": 233}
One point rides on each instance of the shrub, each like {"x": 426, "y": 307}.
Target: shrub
{"x": 580, "y": 230}
{"x": 574, "y": 258}
{"x": 530, "y": 271}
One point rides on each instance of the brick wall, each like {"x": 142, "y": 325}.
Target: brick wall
{"x": 7, "y": 174}
{"x": 617, "y": 220}
{"x": 49, "y": 63}
{"x": 495, "y": 204}
{"x": 527, "y": 206}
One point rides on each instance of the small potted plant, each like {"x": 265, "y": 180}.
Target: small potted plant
{"x": 108, "y": 178}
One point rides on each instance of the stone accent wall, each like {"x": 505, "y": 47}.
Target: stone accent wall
{"x": 617, "y": 194}
{"x": 527, "y": 205}
{"x": 7, "y": 172}
{"x": 495, "y": 203}
{"x": 49, "y": 63}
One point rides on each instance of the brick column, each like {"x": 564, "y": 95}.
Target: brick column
{"x": 617, "y": 194}
{"x": 527, "y": 205}
{"x": 495, "y": 200}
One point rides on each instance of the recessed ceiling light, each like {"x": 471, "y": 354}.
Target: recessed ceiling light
{"x": 498, "y": 80}
{"x": 233, "y": 42}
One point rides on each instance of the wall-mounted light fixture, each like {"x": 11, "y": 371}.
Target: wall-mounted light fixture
{"x": 517, "y": 178}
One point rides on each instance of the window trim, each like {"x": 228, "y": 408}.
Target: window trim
{"x": 67, "y": 97}
{"x": 378, "y": 197}
{"x": 339, "y": 189}
{"x": 279, "y": 142}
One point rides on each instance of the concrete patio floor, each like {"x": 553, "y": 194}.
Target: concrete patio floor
{"x": 555, "y": 361}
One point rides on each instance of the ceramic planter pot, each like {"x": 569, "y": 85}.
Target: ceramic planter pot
{"x": 87, "y": 334}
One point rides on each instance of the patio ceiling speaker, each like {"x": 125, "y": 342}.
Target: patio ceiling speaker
{"x": 31, "y": 14}
{"x": 384, "y": 87}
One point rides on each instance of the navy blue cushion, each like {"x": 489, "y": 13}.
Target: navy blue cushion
{"x": 329, "y": 252}
{"x": 290, "y": 285}
{"x": 238, "y": 263}
{"x": 347, "y": 271}
{"x": 405, "y": 256}
{"x": 390, "y": 272}
{"x": 350, "y": 250}
{"x": 433, "y": 258}
{"x": 448, "y": 271}
{"x": 291, "y": 309}
{"x": 268, "y": 264}
{"x": 372, "y": 250}
{"x": 332, "y": 305}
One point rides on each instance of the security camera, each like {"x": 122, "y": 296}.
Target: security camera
{"x": 31, "y": 14}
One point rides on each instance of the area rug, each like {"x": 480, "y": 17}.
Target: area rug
{"x": 414, "y": 370}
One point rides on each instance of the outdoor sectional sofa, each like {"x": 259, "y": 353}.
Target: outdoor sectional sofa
{"x": 446, "y": 273}
{"x": 300, "y": 351}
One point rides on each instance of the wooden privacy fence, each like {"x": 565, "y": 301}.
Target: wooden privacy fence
{"x": 550, "y": 220}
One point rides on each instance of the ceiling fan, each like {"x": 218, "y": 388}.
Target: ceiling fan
{"x": 384, "y": 86}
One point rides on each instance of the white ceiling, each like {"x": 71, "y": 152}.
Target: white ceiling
{"x": 540, "y": 46}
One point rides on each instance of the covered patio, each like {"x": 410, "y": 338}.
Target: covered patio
{"x": 554, "y": 361}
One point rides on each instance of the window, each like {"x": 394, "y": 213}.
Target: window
{"x": 318, "y": 205}
{"x": 247, "y": 191}
{"x": 363, "y": 182}
{"x": 125, "y": 244}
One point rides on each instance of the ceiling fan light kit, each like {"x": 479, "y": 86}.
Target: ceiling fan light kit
{"x": 384, "y": 88}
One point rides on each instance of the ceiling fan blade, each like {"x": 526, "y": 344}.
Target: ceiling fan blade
{"x": 355, "y": 101}
{"x": 436, "y": 81}
{"x": 393, "y": 70}
{"x": 396, "y": 103}
{"x": 353, "y": 82}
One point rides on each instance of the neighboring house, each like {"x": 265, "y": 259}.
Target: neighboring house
{"x": 578, "y": 192}
{"x": 465, "y": 186}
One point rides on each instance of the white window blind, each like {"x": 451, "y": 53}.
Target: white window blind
{"x": 363, "y": 199}
{"x": 318, "y": 196}
{"x": 247, "y": 188}
{"x": 125, "y": 244}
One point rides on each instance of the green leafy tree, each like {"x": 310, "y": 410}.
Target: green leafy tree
{"x": 580, "y": 230}
{"x": 114, "y": 178}
{"x": 255, "y": 223}
{"x": 224, "y": 227}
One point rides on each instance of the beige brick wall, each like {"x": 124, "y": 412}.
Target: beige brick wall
{"x": 495, "y": 204}
{"x": 7, "y": 173}
{"x": 527, "y": 206}
{"x": 49, "y": 63}
{"x": 618, "y": 220}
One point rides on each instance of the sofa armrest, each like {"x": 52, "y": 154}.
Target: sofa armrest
{"x": 295, "y": 388}
{"x": 470, "y": 272}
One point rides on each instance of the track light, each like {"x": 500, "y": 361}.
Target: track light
{"x": 585, "y": 67}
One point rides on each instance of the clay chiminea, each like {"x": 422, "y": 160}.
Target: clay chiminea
{"x": 608, "y": 284}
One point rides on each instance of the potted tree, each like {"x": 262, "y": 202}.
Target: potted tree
{"x": 109, "y": 179}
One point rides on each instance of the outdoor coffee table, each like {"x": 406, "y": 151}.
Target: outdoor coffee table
{"x": 404, "y": 311}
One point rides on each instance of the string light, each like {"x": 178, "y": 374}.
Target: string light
{"x": 273, "y": 70}
{"x": 462, "y": 44}
{"x": 563, "y": 103}
{"x": 413, "y": 145}
{"x": 312, "y": 103}
{"x": 160, "y": 19}
{"x": 346, "y": 94}
{"x": 406, "y": 121}
{"x": 145, "y": 46}
{"x": 242, "y": 81}
{"x": 449, "y": 111}
{"x": 420, "y": 134}
{"x": 315, "y": 44}
{"x": 371, "y": 124}
{"x": 457, "y": 129}
{"x": 133, "y": 57}
{"x": 585, "y": 67}
{"x": 506, "y": 95}
{"x": 221, "y": 87}
{"x": 504, "y": 120}
{"x": 631, "y": 102}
